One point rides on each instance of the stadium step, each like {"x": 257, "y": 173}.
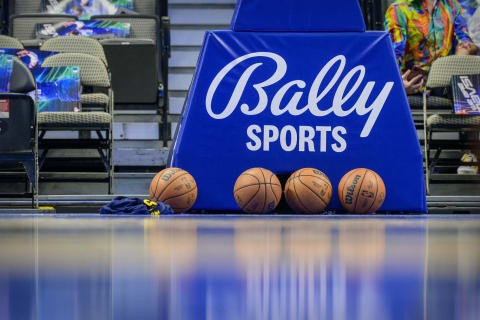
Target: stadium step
{"x": 201, "y": 14}
{"x": 190, "y": 19}
{"x": 184, "y": 56}
{"x": 191, "y": 35}
{"x": 204, "y": 2}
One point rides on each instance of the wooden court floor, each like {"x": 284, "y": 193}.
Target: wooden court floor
{"x": 232, "y": 267}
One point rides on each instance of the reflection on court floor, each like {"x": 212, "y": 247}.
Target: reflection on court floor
{"x": 87, "y": 267}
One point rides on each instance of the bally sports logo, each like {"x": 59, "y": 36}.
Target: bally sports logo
{"x": 301, "y": 138}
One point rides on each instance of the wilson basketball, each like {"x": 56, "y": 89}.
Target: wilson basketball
{"x": 361, "y": 191}
{"x": 175, "y": 187}
{"x": 257, "y": 190}
{"x": 308, "y": 190}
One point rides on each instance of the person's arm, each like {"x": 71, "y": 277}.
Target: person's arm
{"x": 465, "y": 45}
{"x": 395, "y": 25}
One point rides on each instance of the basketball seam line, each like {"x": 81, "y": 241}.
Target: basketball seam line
{"x": 156, "y": 187}
{"x": 326, "y": 204}
{"x": 345, "y": 185}
{"x": 165, "y": 188}
{"x": 273, "y": 191}
{"x": 250, "y": 200}
{"x": 376, "y": 193}
{"x": 265, "y": 198}
{"x": 181, "y": 194}
{"x": 251, "y": 175}
{"x": 300, "y": 201}
{"x": 155, "y": 192}
{"x": 255, "y": 184}
{"x": 360, "y": 188}
{"x": 156, "y": 197}
{"x": 310, "y": 175}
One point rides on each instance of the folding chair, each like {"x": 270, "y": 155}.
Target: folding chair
{"x": 22, "y": 26}
{"x": 75, "y": 44}
{"x": 10, "y": 42}
{"x": 93, "y": 74}
{"x": 440, "y": 76}
{"x": 147, "y": 7}
{"x": 139, "y": 65}
{"x": 18, "y": 129}
{"x": 25, "y": 6}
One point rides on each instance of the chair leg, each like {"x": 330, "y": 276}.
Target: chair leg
{"x": 30, "y": 169}
{"x": 435, "y": 159}
{"x": 35, "y": 189}
{"x": 111, "y": 174}
{"x": 425, "y": 144}
{"x": 37, "y": 186}
{"x": 110, "y": 137}
{"x": 427, "y": 164}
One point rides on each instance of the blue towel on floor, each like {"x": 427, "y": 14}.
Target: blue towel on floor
{"x": 136, "y": 206}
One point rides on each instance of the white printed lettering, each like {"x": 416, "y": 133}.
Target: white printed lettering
{"x": 270, "y": 134}
{"x": 251, "y": 133}
{"x": 318, "y": 91}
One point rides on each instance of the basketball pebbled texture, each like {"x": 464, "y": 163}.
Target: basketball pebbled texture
{"x": 257, "y": 190}
{"x": 308, "y": 191}
{"x": 175, "y": 187}
{"x": 361, "y": 191}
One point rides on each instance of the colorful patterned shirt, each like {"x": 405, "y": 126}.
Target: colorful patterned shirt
{"x": 418, "y": 39}
{"x": 469, "y": 7}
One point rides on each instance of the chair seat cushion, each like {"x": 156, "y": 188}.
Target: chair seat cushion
{"x": 453, "y": 121}
{"x": 74, "y": 119}
{"x": 95, "y": 98}
{"x": 433, "y": 102}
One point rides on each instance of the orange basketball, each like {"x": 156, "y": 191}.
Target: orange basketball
{"x": 257, "y": 190}
{"x": 308, "y": 190}
{"x": 361, "y": 191}
{"x": 175, "y": 187}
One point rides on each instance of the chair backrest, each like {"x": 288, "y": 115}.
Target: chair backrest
{"x": 22, "y": 26}
{"x": 17, "y": 127}
{"x": 93, "y": 71}
{"x": 146, "y": 6}
{"x": 17, "y": 130}
{"x": 141, "y": 26}
{"x": 36, "y": 6}
{"x": 10, "y": 42}
{"x": 21, "y": 80}
{"x": 444, "y": 68}
{"x": 75, "y": 44}
{"x": 25, "y": 6}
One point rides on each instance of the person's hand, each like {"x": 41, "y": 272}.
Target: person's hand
{"x": 413, "y": 85}
{"x": 466, "y": 48}
{"x": 462, "y": 52}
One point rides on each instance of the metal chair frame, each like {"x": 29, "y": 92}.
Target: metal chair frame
{"x": 104, "y": 143}
{"x": 27, "y": 158}
{"x": 440, "y": 74}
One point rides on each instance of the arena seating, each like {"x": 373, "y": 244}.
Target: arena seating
{"x": 22, "y": 26}
{"x": 10, "y": 42}
{"x": 93, "y": 74}
{"x": 139, "y": 53}
{"x": 440, "y": 76}
{"x": 144, "y": 89}
{"x": 75, "y": 44}
{"x": 140, "y": 93}
{"x": 19, "y": 137}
